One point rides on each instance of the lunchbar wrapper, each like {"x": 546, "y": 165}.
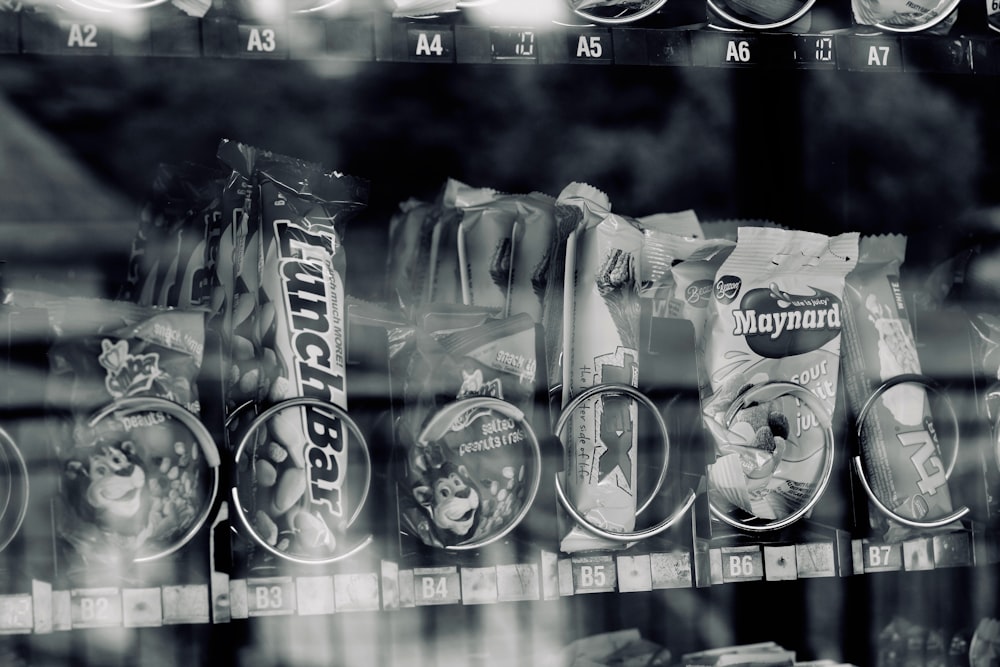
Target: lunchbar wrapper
{"x": 776, "y": 316}
{"x": 899, "y": 444}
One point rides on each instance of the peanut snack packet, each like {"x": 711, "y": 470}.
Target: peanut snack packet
{"x": 130, "y": 485}
{"x": 531, "y": 241}
{"x": 601, "y": 313}
{"x": 300, "y": 482}
{"x": 776, "y": 316}
{"x": 899, "y": 444}
{"x": 469, "y": 479}
{"x": 444, "y": 282}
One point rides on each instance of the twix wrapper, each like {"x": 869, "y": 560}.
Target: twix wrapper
{"x": 776, "y": 316}
{"x": 600, "y": 345}
{"x": 302, "y": 325}
{"x": 899, "y": 444}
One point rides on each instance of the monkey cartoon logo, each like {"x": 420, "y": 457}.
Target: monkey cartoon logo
{"x": 450, "y": 496}
{"x": 107, "y": 489}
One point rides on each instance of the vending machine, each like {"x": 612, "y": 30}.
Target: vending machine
{"x": 499, "y": 332}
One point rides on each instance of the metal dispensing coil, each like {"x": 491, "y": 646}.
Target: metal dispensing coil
{"x": 928, "y": 383}
{"x": 567, "y": 504}
{"x": 769, "y": 391}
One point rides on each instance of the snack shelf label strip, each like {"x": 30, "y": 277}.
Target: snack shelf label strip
{"x": 381, "y": 38}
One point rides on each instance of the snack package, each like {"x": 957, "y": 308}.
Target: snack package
{"x": 905, "y": 13}
{"x": 531, "y": 241}
{"x": 776, "y": 316}
{"x": 472, "y": 475}
{"x": 406, "y": 262}
{"x": 444, "y": 282}
{"x": 899, "y": 444}
{"x": 485, "y": 239}
{"x": 133, "y": 484}
{"x": 297, "y": 495}
{"x": 170, "y": 262}
{"x": 600, "y": 345}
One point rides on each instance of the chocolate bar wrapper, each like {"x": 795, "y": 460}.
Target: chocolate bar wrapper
{"x": 468, "y": 482}
{"x": 601, "y": 324}
{"x": 444, "y": 284}
{"x": 776, "y": 316}
{"x": 170, "y": 263}
{"x": 679, "y": 223}
{"x": 531, "y": 241}
{"x": 485, "y": 252}
{"x": 577, "y": 204}
{"x": 898, "y": 440}
{"x": 301, "y": 324}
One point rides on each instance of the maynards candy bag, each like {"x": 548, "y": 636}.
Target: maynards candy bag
{"x": 468, "y": 474}
{"x": 297, "y": 496}
{"x": 899, "y": 444}
{"x": 776, "y": 316}
{"x": 132, "y": 484}
{"x": 600, "y": 345}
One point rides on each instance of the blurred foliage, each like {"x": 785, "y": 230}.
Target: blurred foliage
{"x": 828, "y": 151}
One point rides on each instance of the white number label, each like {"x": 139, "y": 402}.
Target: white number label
{"x": 434, "y": 587}
{"x": 82, "y": 36}
{"x": 878, "y": 56}
{"x": 738, "y": 51}
{"x": 429, "y": 45}
{"x": 268, "y": 597}
{"x": 261, "y": 39}
{"x": 879, "y": 555}
{"x": 593, "y": 576}
{"x": 741, "y": 566}
{"x": 590, "y": 47}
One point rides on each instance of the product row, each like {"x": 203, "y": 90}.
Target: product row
{"x": 544, "y": 375}
{"x": 678, "y": 32}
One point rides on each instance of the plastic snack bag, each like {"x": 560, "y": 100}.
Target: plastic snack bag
{"x": 777, "y": 316}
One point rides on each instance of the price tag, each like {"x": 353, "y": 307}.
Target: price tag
{"x": 872, "y": 53}
{"x": 175, "y": 36}
{"x": 953, "y": 550}
{"x": 142, "y": 607}
{"x": 436, "y": 585}
{"x": 41, "y": 596}
{"x": 594, "y": 574}
{"x": 634, "y": 574}
{"x": 61, "y": 611}
{"x": 314, "y": 595}
{"x": 918, "y": 554}
{"x": 671, "y": 570}
{"x": 815, "y": 52}
{"x": 407, "y": 589}
{"x": 186, "y": 604}
{"x": 881, "y": 557}
{"x": 517, "y": 582}
{"x": 356, "y": 592}
{"x": 779, "y": 563}
{"x": 741, "y": 564}
{"x": 479, "y": 585}
{"x": 390, "y": 585}
{"x": 262, "y": 41}
{"x": 513, "y": 45}
{"x": 238, "y": 599}
{"x": 427, "y": 43}
{"x": 550, "y": 576}
{"x": 16, "y": 614}
{"x": 590, "y": 47}
{"x": 350, "y": 39}
{"x": 271, "y": 596}
{"x": 816, "y": 559}
{"x": 95, "y": 607}
{"x": 726, "y": 49}
{"x": 950, "y": 55}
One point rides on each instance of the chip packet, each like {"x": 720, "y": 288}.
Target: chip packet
{"x": 468, "y": 474}
{"x": 776, "y": 316}
{"x": 899, "y": 445}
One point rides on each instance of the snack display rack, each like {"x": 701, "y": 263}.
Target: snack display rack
{"x": 827, "y": 566}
